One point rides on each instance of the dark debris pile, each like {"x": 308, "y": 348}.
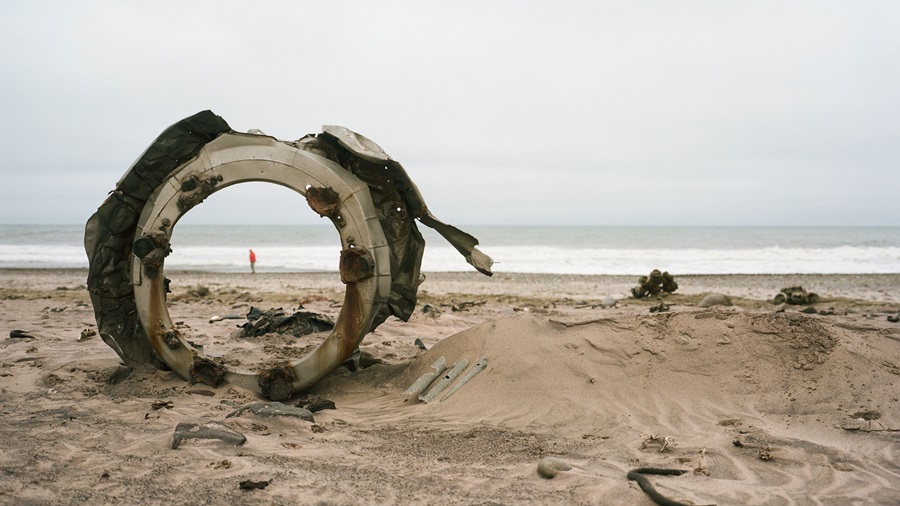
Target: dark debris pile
{"x": 298, "y": 324}
{"x": 796, "y": 295}
{"x": 654, "y": 284}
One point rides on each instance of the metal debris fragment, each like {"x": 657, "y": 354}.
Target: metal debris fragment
{"x": 187, "y": 430}
{"x": 477, "y": 368}
{"x": 424, "y": 380}
{"x": 344, "y": 176}
{"x": 218, "y": 318}
{"x": 273, "y": 409}
{"x": 445, "y": 381}
{"x": 298, "y": 324}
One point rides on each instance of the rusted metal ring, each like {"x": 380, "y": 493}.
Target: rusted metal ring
{"x": 238, "y": 158}
{"x": 344, "y": 176}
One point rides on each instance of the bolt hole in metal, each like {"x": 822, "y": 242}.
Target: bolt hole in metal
{"x": 129, "y": 238}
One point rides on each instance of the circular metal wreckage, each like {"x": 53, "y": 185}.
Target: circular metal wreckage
{"x": 344, "y": 176}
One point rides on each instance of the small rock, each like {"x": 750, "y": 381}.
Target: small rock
{"x": 661, "y": 308}
{"x": 20, "y": 334}
{"x": 549, "y": 467}
{"x": 715, "y": 299}
{"x": 609, "y": 302}
{"x": 780, "y": 308}
{"x": 420, "y": 344}
{"x": 861, "y": 424}
{"x": 809, "y": 310}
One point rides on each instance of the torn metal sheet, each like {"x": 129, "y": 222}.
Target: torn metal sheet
{"x": 344, "y": 176}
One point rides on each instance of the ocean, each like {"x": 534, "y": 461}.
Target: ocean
{"x": 543, "y": 249}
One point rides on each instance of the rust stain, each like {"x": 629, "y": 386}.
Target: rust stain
{"x": 277, "y": 383}
{"x": 194, "y": 190}
{"x": 155, "y": 329}
{"x": 324, "y": 201}
{"x": 171, "y": 339}
{"x": 206, "y": 371}
{"x": 356, "y": 265}
{"x": 348, "y": 327}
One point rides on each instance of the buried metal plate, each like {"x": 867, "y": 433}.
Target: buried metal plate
{"x": 370, "y": 200}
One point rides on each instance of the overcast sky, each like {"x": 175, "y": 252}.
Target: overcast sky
{"x": 598, "y": 113}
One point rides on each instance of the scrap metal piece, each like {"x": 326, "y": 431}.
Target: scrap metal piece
{"x": 477, "y": 368}
{"x": 344, "y": 176}
{"x": 269, "y": 409}
{"x": 445, "y": 381}
{"x": 424, "y": 380}
{"x": 187, "y": 430}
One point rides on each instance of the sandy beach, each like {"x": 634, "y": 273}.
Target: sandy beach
{"x": 756, "y": 403}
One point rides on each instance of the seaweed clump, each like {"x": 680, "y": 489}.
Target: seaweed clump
{"x": 654, "y": 284}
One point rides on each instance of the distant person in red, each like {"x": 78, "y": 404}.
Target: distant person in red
{"x": 252, "y": 262}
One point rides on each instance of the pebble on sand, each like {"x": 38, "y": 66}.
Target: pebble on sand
{"x": 549, "y": 467}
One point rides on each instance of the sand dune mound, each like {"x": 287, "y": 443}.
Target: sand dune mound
{"x": 753, "y": 403}
{"x": 711, "y": 363}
